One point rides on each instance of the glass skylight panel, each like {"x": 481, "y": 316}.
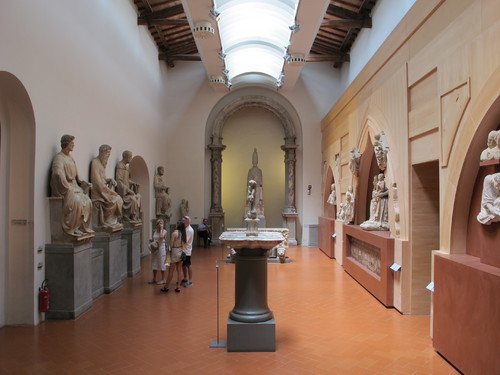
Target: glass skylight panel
{"x": 262, "y": 27}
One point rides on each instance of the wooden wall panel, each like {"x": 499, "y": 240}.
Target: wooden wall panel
{"x": 424, "y": 106}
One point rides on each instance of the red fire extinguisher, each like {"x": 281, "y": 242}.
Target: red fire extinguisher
{"x": 44, "y": 296}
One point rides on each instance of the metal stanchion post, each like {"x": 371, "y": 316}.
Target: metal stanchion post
{"x": 217, "y": 343}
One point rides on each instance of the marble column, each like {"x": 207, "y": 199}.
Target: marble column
{"x": 290, "y": 212}
{"x": 216, "y": 212}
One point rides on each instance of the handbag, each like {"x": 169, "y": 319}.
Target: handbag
{"x": 168, "y": 258}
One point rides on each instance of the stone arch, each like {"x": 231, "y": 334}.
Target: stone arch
{"x": 17, "y": 167}
{"x": 288, "y": 117}
{"x": 140, "y": 174}
{"x": 484, "y": 116}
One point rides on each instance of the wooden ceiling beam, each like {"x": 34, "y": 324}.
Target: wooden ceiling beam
{"x": 162, "y": 21}
{"x": 334, "y": 58}
{"x": 365, "y": 22}
{"x": 343, "y": 13}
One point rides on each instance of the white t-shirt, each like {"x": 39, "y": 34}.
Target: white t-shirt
{"x": 188, "y": 247}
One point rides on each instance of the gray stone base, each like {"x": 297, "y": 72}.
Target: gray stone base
{"x": 111, "y": 244}
{"x": 251, "y": 337}
{"x": 133, "y": 236}
{"x": 97, "y": 273}
{"x": 69, "y": 271}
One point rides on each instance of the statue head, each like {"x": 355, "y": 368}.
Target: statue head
{"x": 66, "y": 141}
{"x": 104, "y": 152}
{"x": 493, "y": 138}
{"x": 160, "y": 170}
{"x": 127, "y": 156}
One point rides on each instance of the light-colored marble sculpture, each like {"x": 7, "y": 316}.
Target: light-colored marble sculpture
{"x": 380, "y": 149}
{"x": 354, "y": 160}
{"x": 163, "y": 202}
{"x": 490, "y": 152}
{"x": 252, "y": 220}
{"x": 379, "y": 210}
{"x": 128, "y": 189}
{"x": 107, "y": 203}
{"x": 395, "y": 199}
{"x": 490, "y": 200}
{"x": 349, "y": 207}
{"x": 341, "y": 212}
{"x": 255, "y": 174}
{"x": 184, "y": 207}
{"x": 65, "y": 183}
{"x": 332, "y": 198}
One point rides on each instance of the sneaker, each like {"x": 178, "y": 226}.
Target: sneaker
{"x": 161, "y": 282}
{"x": 188, "y": 283}
{"x": 183, "y": 282}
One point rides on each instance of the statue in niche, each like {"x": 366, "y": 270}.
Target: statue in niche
{"x": 349, "y": 206}
{"x": 379, "y": 210}
{"x": 380, "y": 149}
{"x": 332, "y": 198}
{"x": 354, "y": 160}
{"x": 107, "y": 203}
{"x": 490, "y": 200}
{"x": 395, "y": 199}
{"x": 184, "y": 207}
{"x": 492, "y": 143}
{"x": 346, "y": 209}
{"x": 255, "y": 175}
{"x": 128, "y": 189}
{"x": 163, "y": 202}
{"x": 65, "y": 183}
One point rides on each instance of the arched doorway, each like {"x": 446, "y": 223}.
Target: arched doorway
{"x": 17, "y": 163}
{"x": 290, "y": 121}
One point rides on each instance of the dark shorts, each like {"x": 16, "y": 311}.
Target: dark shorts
{"x": 187, "y": 261}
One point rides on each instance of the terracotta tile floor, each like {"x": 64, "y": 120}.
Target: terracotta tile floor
{"x": 326, "y": 323}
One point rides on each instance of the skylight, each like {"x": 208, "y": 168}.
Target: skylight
{"x": 255, "y": 35}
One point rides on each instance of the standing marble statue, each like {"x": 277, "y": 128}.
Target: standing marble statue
{"x": 379, "y": 206}
{"x": 163, "y": 202}
{"x": 255, "y": 175}
{"x": 65, "y": 183}
{"x": 128, "y": 189}
{"x": 107, "y": 203}
{"x": 354, "y": 160}
{"x": 490, "y": 200}
{"x": 251, "y": 198}
{"x": 184, "y": 208}
{"x": 493, "y": 150}
{"x": 380, "y": 149}
{"x": 332, "y": 198}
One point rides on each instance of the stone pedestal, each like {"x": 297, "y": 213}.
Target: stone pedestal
{"x": 97, "y": 273}
{"x": 290, "y": 222}
{"x": 111, "y": 245}
{"x": 133, "y": 237}
{"x": 251, "y": 325}
{"x": 69, "y": 271}
{"x": 123, "y": 259}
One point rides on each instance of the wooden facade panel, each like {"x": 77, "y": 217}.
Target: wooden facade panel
{"x": 424, "y": 106}
{"x": 425, "y": 148}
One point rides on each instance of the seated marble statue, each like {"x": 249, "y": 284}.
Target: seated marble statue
{"x": 65, "y": 183}
{"x": 107, "y": 203}
{"x": 332, "y": 198}
{"x": 128, "y": 190}
{"x": 492, "y": 151}
{"x": 490, "y": 200}
{"x": 379, "y": 206}
{"x": 354, "y": 160}
{"x": 163, "y": 201}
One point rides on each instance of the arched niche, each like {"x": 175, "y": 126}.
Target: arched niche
{"x": 467, "y": 235}
{"x": 289, "y": 119}
{"x": 17, "y": 163}
{"x": 329, "y": 210}
{"x": 140, "y": 174}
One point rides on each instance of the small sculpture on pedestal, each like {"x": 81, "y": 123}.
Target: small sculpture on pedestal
{"x": 332, "y": 198}
{"x": 346, "y": 211}
{"x": 255, "y": 174}
{"x": 128, "y": 190}
{"x": 354, "y": 161}
{"x": 251, "y": 219}
{"x": 107, "y": 203}
{"x": 379, "y": 213}
{"x": 492, "y": 152}
{"x": 184, "y": 208}
{"x": 490, "y": 200}
{"x": 65, "y": 183}
{"x": 163, "y": 202}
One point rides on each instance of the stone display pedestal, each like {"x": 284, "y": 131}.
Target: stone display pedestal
{"x": 290, "y": 222}
{"x": 97, "y": 273}
{"x": 69, "y": 271}
{"x": 133, "y": 237}
{"x": 111, "y": 245}
{"x": 251, "y": 326}
{"x": 123, "y": 259}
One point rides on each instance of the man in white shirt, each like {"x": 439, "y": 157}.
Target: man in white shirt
{"x": 186, "y": 264}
